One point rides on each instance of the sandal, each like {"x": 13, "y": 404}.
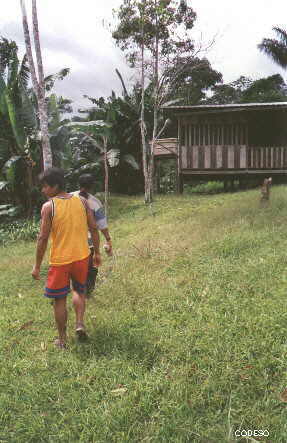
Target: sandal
{"x": 81, "y": 332}
{"x": 59, "y": 344}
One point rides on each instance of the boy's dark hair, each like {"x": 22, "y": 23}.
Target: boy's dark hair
{"x": 86, "y": 181}
{"x": 53, "y": 177}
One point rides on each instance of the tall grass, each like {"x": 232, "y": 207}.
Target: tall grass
{"x": 187, "y": 330}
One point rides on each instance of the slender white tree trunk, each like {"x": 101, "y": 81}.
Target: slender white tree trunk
{"x": 106, "y": 174}
{"x": 38, "y": 85}
{"x": 142, "y": 123}
{"x": 29, "y": 48}
{"x": 155, "y": 112}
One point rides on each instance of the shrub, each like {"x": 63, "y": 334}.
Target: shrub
{"x": 205, "y": 188}
{"x": 19, "y": 230}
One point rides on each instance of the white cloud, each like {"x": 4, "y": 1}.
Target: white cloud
{"x": 76, "y": 35}
{"x": 240, "y": 27}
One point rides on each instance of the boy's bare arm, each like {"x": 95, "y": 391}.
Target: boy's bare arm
{"x": 106, "y": 234}
{"x": 93, "y": 230}
{"x": 108, "y": 246}
{"x": 92, "y": 225}
{"x": 43, "y": 237}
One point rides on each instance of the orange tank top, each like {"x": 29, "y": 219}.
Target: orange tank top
{"x": 69, "y": 232}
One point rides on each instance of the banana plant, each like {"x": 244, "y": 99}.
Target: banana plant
{"x": 100, "y": 133}
{"x": 18, "y": 124}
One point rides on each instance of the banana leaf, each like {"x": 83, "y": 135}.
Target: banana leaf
{"x": 99, "y": 123}
{"x": 3, "y": 104}
{"x": 28, "y": 115}
{"x": 113, "y": 157}
{"x": 13, "y": 71}
{"x": 128, "y": 158}
{"x": 87, "y": 167}
{"x": 3, "y": 186}
{"x": 11, "y": 170}
{"x": 11, "y": 211}
{"x": 89, "y": 139}
{"x": 17, "y": 128}
{"x": 4, "y": 149}
{"x": 172, "y": 102}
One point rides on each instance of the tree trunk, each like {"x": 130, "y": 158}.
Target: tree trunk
{"x": 30, "y": 187}
{"x": 106, "y": 175}
{"x": 38, "y": 86}
{"x": 46, "y": 147}
{"x": 142, "y": 122}
{"x": 155, "y": 112}
{"x": 29, "y": 49}
{"x": 43, "y": 111}
{"x": 38, "y": 47}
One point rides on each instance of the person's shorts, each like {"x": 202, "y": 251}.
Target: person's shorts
{"x": 59, "y": 278}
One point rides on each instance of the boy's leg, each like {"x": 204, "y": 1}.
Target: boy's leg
{"x": 57, "y": 288}
{"x": 79, "y": 278}
{"x": 91, "y": 280}
{"x": 61, "y": 316}
{"x": 79, "y": 302}
{"x": 92, "y": 274}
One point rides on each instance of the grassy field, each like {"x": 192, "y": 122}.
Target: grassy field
{"x": 188, "y": 330}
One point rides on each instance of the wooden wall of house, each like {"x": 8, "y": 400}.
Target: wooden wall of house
{"x": 213, "y": 144}
{"x": 214, "y": 157}
{"x": 271, "y": 157}
{"x": 216, "y": 132}
{"x": 233, "y": 157}
{"x": 224, "y": 143}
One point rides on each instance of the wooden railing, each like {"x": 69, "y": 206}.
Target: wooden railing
{"x": 233, "y": 157}
{"x": 166, "y": 147}
{"x": 274, "y": 157}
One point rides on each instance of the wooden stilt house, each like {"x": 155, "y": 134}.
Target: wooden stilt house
{"x": 228, "y": 142}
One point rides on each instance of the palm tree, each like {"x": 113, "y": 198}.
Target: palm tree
{"x": 276, "y": 48}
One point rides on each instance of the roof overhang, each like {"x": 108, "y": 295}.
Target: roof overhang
{"x": 218, "y": 109}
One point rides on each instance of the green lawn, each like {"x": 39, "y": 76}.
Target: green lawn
{"x": 188, "y": 330}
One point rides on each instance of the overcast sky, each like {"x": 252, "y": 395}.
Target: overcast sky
{"x": 75, "y": 35}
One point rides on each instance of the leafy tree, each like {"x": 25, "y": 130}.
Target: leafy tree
{"x": 98, "y": 133}
{"x": 156, "y": 32}
{"x": 244, "y": 90}
{"x": 276, "y": 48}
{"x": 122, "y": 113}
{"x": 190, "y": 79}
{"x": 59, "y": 134}
{"x": 269, "y": 89}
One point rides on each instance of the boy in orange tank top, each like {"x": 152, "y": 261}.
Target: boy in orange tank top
{"x": 66, "y": 219}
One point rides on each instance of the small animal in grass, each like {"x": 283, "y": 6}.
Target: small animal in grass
{"x": 265, "y": 190}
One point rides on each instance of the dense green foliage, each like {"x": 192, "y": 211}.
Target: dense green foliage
{"x": 122, "y": 131}
{"x": 18, "y": 129}
{"x": 20, "y": 140}
{"x": 245, "y": 90}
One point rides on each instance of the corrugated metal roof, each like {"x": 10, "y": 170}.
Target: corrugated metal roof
{"x": 231, "y": 105}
